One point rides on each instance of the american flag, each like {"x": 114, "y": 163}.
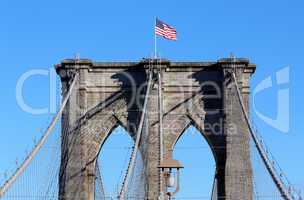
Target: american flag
{"x": 165, "y": 30}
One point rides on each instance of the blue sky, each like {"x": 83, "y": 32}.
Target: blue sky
{"x": 37, "y": 34}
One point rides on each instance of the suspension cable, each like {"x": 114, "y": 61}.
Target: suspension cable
{"x": 279, "y": 184}
{"x": 100, "y": 181}
{"x": 214, "y": 189}
{"x": 8, "y": 184}
{"x": 136, "y": 145}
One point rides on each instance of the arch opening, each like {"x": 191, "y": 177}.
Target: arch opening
{"x": 112, "y": 161}
{"x": 196, "y": 156}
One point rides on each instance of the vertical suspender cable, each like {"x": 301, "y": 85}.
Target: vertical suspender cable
{"x": 160, "y": 113}
{"x": 136, "y": 145}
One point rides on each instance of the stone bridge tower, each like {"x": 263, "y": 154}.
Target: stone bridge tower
{"x": 201, "y": 94}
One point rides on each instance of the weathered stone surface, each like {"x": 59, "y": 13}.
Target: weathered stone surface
{"x": 194, "y": 93}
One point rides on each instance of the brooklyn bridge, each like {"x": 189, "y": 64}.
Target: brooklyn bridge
{"x": 155, "y": 101}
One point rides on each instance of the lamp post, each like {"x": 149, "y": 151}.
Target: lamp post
{"x": 170, "y": 169}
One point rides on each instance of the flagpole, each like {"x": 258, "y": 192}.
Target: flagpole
{"x": 155, "y": 40}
